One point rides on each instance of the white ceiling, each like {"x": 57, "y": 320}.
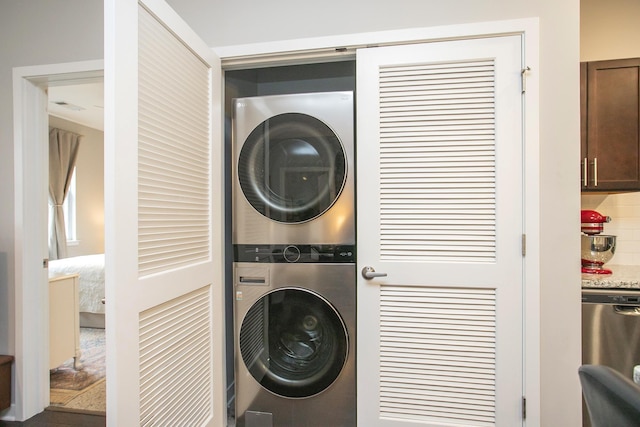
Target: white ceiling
{"x": 80, "y": 103}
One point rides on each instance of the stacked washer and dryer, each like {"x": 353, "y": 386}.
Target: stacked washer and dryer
{"x": 294, "y": 260}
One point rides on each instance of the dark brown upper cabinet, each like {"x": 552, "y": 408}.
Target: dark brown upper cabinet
{"x": 610, "y": 125}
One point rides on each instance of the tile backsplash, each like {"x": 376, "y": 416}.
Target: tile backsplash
{"x": 624, "y": 210}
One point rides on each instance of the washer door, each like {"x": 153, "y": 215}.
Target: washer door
{"x": 292, "y": 168}
{"x": 293, "y": 342}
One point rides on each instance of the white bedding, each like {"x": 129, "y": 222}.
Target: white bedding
{"x": 90, "y": 282}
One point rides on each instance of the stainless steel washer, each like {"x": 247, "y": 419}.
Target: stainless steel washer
{"x": 295, "y": 336}
{"x": 293, "y": 169}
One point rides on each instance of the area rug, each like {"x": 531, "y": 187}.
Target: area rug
{"x": 92, "y": 399}
{"x": 68, "y": 383}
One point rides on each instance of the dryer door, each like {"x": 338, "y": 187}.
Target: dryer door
{"x": 292, "y": 168}
{"x": 293, "y": 342}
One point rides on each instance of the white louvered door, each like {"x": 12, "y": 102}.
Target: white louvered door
{"x": 440, "y": 211}
{"x": 164, "y": 278}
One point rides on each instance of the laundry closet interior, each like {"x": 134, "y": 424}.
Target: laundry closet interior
{"x": 290, "y": 258}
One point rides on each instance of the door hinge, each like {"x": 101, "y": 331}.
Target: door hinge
{"x": 45, "y": 263}
{"x": 523, "y": 75}
{"x": 524, "y": 245}
{"x": 524, "y": 408}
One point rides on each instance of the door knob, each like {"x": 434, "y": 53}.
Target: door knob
{"x": 369, "y": 273}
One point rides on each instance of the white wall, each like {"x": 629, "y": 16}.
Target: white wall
{"x": 76, "y": 34}
{"x": 89, "y": 188}
{"x": 610, "y": 30}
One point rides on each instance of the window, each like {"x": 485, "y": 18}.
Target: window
{"x": 69, "y": 207}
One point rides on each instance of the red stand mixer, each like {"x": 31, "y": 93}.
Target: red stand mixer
{"x": 597, "y": 248}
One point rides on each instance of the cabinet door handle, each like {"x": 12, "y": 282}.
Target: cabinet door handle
{"x": 585, "y": 169}
{"x": 595, "y": 171}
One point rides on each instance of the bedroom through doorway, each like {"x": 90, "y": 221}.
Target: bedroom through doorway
{"x": 77, "y": 371}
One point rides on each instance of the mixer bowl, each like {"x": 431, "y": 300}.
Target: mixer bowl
{"x": 597, "y": 250}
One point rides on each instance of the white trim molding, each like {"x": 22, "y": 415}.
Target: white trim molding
{"x": 30, "y": 324}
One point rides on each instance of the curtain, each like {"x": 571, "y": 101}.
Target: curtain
{"x": 63, "y": 152}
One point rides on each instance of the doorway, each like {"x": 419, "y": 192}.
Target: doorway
{"x": 31, "y": 163}
{"x": 78, "y": 383}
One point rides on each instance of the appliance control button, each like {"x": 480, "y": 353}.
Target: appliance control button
{"x": 291, "y": 253}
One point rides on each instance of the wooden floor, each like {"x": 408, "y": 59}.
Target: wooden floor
{"x": 57, "y": 418}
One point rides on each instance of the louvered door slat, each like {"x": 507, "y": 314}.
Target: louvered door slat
{"x": 173, "y": 153}
{"x": 442, "y": 359}
{"x": 430, "y": 156}
{"x": 168, "y": 385}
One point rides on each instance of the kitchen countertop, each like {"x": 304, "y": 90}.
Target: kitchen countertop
{"x": 623, "y": 276}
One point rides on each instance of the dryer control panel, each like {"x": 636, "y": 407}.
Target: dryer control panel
{"x": 295, "y": 253}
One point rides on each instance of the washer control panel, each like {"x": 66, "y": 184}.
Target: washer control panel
{"x": 295, "y": 253}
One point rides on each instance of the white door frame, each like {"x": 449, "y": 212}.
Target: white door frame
{"x": 31, "y": 308}
{"x": 296, "y": 51}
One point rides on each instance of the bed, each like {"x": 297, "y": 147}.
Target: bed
{"x": 90, "y": 269}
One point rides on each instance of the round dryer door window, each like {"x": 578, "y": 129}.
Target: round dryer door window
{"x": 293, "y": 342}
{"x": 292, "y": 168}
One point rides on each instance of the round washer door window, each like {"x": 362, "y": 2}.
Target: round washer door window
{"x": 292, "y": 168}
{"x": 293, "y": 342}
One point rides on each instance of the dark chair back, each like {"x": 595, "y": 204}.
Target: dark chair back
{"x": 612, "y": 399}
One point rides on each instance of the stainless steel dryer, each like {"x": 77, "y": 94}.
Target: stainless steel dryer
{"x": 293, "y": 169}
{"x": 295, "y": 315}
